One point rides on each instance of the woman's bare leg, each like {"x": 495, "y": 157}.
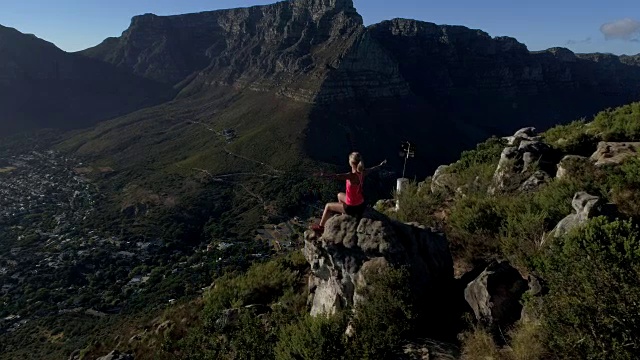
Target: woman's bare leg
{"x": 329, "y": 209}
{"x": 342, "y": 198}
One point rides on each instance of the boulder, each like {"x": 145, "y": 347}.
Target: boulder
{"x": 614, "y": 152}
{"x": 519, "y": 159}
{"x": 495, "y": 295}
{"x": 535, "y": 293}
{"x": 385, "y": 205}
{"x": 586, "y": 206}
{"x": 349, "y": 249}
{"x": 567, "y": 163}
{"x": 507, "y": 166}
{"x": 116, "y": 355}
{"x": 534, "y": 181}
{"x": 441, "y": 181}
{"x": 528, "y": 133}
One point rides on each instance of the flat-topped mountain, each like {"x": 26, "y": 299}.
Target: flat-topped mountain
{"x": 44, "y": 87}
{"x": 444, "y": 87}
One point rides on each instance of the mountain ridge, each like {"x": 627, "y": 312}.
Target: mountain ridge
{"x": 444, "y": 87}
{"x": 45, "y": 87}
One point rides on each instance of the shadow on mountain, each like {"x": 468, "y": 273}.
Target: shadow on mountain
{"x": 462, "y": 87}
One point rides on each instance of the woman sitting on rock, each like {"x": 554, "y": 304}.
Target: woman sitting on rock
{"x": 352, "y": 202}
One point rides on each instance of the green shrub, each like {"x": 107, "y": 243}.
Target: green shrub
{"x": 620, "y": 124}
{"x": 522, "y": 232}
{"x": 575, "y": 138}
{"x": 479, "y": 344}
{"x": 251, "y": 338}
{"x": 591, "y": 311}
{"x": 528, "y": 342}
{"x": 487, "y": 152}
{"x": 418, "y": 205}
{"x": 261, "y": 284}
{"x": 478, "y": 214}
{"x": 312, "y": 338}
{"x": 385, "y": 316}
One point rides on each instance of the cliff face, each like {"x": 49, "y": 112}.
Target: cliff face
{"x": 457, "y": 61}
{"x": 42, "y": 86}
{"x": 443, "y": 87}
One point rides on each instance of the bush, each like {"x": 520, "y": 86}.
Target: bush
{"x": 261, "y": 284}
{"x": 487, "y": 152}
{"x": 620, "y": 124}
{"x": 575, "y": 138}
{"x": 417, "y": 205}
{"x": 312, "y": 338}
{"x": 591, "y": 311}
{"x": 528, "y": 341}
{"x": 384, "y": 318}
{"x": 479, "y": 344}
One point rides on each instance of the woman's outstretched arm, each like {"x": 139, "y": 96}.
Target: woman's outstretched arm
{"x": 375, "y": 168}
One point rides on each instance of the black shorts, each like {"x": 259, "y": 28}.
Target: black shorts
{"x": 356, "y": 211}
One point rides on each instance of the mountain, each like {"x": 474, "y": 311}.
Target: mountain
{"x": 443, "y": 87}
{"x": 42, "y": 86}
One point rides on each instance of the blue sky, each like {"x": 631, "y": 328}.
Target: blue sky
{"x": 579, "y": 25}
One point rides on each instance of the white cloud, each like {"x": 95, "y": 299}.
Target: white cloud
{"x": 625, "y": 29}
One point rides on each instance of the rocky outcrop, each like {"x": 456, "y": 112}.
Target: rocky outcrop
{"x": 495, "y": 295}
{"x": 441, "y": 181}
{"x": 535, "y": 294}
{"x": 586, "y": 206}
{"x": 568, "y": 164}
{"x": 528, "y": 133}
{"x": 343, "y": 256}
{"x": 614, "y": 153}
{"x": 536, "y": 180}
{"x": 516, "y": 166}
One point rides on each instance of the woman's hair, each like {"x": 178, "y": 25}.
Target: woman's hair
{"x": 355, "y": 159}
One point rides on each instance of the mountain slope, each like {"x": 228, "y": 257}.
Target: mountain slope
{"x": 443, "y": 87}
{"x": 42, "y": 86}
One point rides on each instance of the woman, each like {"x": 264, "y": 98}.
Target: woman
{"x": 352, "y": 202}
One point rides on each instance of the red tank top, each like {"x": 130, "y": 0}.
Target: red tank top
{"x": 354, "y": 192}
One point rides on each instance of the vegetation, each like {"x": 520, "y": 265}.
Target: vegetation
{"x": 258, "y": 309}
{"x": 590, "y": 310}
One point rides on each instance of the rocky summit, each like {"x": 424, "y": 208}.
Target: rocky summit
{"x": 349, "y": 250}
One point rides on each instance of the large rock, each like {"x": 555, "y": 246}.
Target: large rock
{"x": 116, "y": 355}
{"x": 495, "y": 294}
{"x": 536, "y": 180}
{"x": 343, "y": 256}
{"x": 614, "y": 152}
{"x": 528, "y": 133}
{"x": 517, "y": 163}
{"x": 568, "y": 164}
{"x": 441, "y": 181}
{"x": 586, "y": 206}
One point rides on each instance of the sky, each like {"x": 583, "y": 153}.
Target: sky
{"x": 582, "y": 26}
